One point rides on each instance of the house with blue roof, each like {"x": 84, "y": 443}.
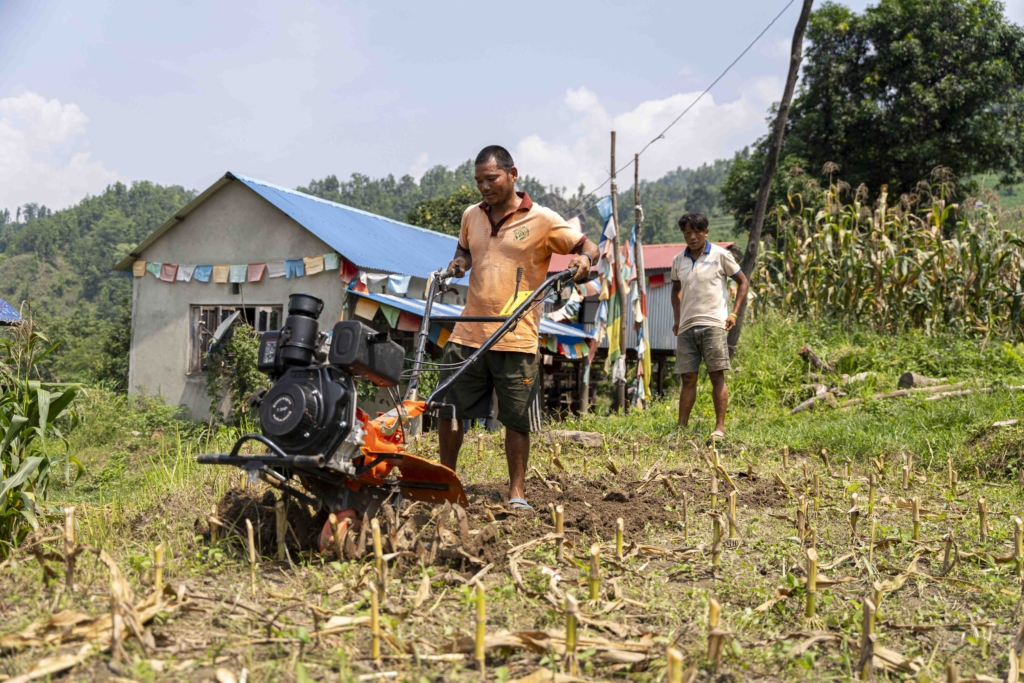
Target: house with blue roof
{"x": 240, "y": 249}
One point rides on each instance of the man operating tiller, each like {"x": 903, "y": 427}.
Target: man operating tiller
{"x": 505, "y": 244}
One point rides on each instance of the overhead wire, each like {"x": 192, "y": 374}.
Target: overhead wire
{"x": 683, "y": 113}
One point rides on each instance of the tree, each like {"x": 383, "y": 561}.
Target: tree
{"x": 444, "y": 214}
{"x": 905, "y": 87}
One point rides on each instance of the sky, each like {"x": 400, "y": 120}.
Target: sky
{"x": 98, "y": 91}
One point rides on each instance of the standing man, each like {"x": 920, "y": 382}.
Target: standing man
{"x": 502, "y": 234}
{"x": 700, "y": 308}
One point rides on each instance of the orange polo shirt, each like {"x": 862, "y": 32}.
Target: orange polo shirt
{"x": 525, "y": 239}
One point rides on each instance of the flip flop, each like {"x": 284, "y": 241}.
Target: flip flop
{"x": 716, "y": 436}
{"x": 520, "y": 504}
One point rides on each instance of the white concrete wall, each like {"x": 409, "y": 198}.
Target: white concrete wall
{"x": 234, "y": 226}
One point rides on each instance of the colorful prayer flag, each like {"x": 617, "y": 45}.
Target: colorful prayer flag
{"x": 168, "y": 271}
{"x": 331, "y": 261}
{"x": 203, "y": 273}
{"x": 185, "y": 273}
{"x": 221, "y": 273}
{"x": 256, "y": 271}
{"x": 237, "y": 273}
{"x": 154, "y": 268}
{"x": 314, "y": 264}
{"x": 366, "y": 308}
{"x": 139, "y": 268}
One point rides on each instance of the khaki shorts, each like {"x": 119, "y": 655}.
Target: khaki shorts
{"x": 512, "y": 375}
{"x": 702, "y": 343}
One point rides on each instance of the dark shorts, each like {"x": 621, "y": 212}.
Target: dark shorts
{"x": 702, "y": 343}
{"x": 513, "y": 376}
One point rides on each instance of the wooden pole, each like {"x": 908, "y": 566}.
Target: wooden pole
{"x": 812, "y": 583}
{"x": 378, "y": 555}
{"x": 585, "y": 385}
{"x": 916, "y": 510}
{"x": 595, "y": 573}
{"x": 714, "y": 639}
{"x": 641, "y": 273}
{"x": 620, "y": 284}
{"x": 571, "y": 610}
{"x": 772, "y": 161}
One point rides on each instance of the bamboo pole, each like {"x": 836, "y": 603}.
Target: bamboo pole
{"x": 801, "y": 518}
{"x": 212, "y": 521}
{"x": 560, "y": 529}
{"x": 378, "y": 556}
{"x": 812, "y": 583}
{"x": 826, "y": 461}
{"x": 955, "y": 479}
{"x": 817, "y": 486}
{"x": 479, "y": 446}
{"x": 636, "y": 453}
{"x": 252, "y": 553}
{"x": 620, "y": 531}
{"x": 916, "y": 511}
{"x": 481, "y": 629}
{"x": 674, "y": 671}
{"x": 595, "y": 573}
{"x": 866, "y": 639}
{"x": 716, "y": 541}
{"x": 571, "y": 610}
{"x": 280, "y": 527}
{"x": 849, "y": 469}
{"x": 714, "y": 490}
{"x": 854, "y": 517}
{"x": 714, "y": 639}
{"x": 374, "y": 623}
{"x": 610, "y": 464}
{"x": 952, "y": 673}
{"x": 733, "y": 526}
{"x": 785, "y": 457}
{"x": 339, "y": 548}
{"x": 906, "y": 478}
{"x": 982, "y": 520}
{"x": 872, "y": 484}
{"x": 70, "y": 553}
{"x": 158, "y": 569}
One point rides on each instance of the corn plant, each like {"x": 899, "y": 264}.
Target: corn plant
{"x": 33, "y": 414}
{"x": 922, "y": 263}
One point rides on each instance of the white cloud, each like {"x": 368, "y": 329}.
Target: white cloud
{"x": 709, "y": 131}
{"x": 420, "y": 166}
{"x": 1015, "y": 10}
{"x": 41, "y": 155}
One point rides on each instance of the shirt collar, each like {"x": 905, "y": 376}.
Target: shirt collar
{"x": 707, "y": 249}
{"x": 525, "y": 205}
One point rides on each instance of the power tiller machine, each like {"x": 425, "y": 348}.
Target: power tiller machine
{"x": 325, "y": 451}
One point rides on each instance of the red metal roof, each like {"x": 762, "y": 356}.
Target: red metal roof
{"x": 656, "y": 256}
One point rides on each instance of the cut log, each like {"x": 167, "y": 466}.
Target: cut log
{"x": 819, "y": 397}
{"x": 903, "y": 392}
{"x": 808, "y": 354}
{"x": 909, "y": 380}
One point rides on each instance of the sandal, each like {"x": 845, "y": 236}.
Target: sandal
{"x": 520, "y": 504}
{"x": 716, "y": 436}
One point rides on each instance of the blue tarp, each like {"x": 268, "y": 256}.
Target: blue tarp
{"x": 367, "y": 240}
{"x": 565, "y": 333}
{"x": 8, "y": 314}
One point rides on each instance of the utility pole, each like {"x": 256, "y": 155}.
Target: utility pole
{"x": 620, "y": 285}
{"x": 771, "y": 162}
{"x": 641, "y": 277}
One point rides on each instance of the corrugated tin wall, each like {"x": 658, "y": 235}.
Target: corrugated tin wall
{"x": 659, "y": 322}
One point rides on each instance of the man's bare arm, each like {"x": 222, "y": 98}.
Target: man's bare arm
{"x": 585, "y": 261}
{"x": 742, "y": 285}
{"x": 462, "y": 261}
{"x": 677, "y": 300}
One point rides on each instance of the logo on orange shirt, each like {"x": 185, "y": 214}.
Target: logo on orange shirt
{"x": 521, "y": 234}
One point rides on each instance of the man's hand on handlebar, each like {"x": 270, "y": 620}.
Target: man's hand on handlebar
{"x": 458, "y": 267}
{"x": 582, "y": 265}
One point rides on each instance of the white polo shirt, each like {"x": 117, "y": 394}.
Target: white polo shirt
{"x": 705, "y": 286}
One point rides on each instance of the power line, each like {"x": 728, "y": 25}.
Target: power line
{"x": 688, "y": 108}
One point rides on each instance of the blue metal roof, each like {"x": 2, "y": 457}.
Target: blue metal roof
{"x": 416, "y": 307}
{"x": 366, "y": 239}
{"x": 8, "y": 314}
